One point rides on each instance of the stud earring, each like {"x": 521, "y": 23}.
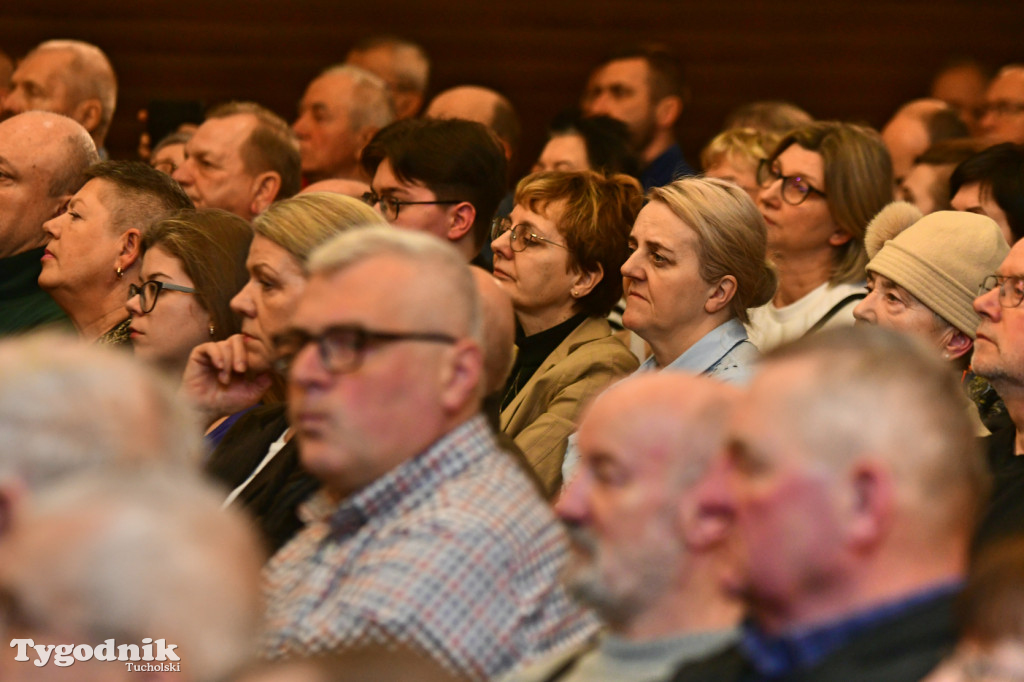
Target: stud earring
{"x": 574, "y": 293}
{"x": 213, "y": 330}
{"x": 120, "y": 272}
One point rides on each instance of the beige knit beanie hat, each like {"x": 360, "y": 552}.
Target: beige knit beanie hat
{"x": 941, "y": 258}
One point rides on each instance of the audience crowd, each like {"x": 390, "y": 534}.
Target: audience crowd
{"x": 617, "y": 419}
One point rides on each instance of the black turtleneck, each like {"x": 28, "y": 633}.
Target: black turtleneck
{"x": 533, "y": 350}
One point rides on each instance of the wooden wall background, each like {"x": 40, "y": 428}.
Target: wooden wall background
{"x": 852, "y": 60}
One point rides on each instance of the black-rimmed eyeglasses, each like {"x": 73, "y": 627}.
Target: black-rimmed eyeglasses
{"x": 519, "y": 235}
{"x": 795, "y": 188}
{"x": 341, "y": 348}
{"x": 390, "y": 206}
{"x": 149, "y": 291}
{"x": 1011, "y": 289}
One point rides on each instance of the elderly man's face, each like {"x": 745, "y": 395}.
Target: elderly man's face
{"x": 622, "y": 511}
{"x": 999, "y": 348}
{"x": 786, "y": 500}
{"x": 328, "y": 143}
{"x": 214, "y": 174}
{"x": 356, "y": 423}
{"x": 41, "y": 82}
{"x": 29, "y": 159}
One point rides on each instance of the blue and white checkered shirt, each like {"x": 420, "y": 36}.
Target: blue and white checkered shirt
{"x": 453, "y": 554}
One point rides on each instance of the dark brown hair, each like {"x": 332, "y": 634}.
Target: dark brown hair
{"x": 212, "y": 246}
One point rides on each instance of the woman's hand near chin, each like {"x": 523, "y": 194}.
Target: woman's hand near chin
{"x": 218, "y": 381}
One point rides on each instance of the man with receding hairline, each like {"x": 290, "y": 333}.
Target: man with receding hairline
{"x": 483, "y": 105}
{"x": 42, "y": 158}
{"x": 647, "y": 552}
{"x": 402, "y": 64}
{"x": 241, "y": 159}
{"x": 424, "y": 534}
{"x": 340, "y": 111}
{"x": 854, "y": 478}
{"x": 67, "y": 77}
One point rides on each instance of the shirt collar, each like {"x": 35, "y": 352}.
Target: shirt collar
{"x": 702, "y": 356}
{"x": 408, "y": 484}
{"x": 779, "y": 655}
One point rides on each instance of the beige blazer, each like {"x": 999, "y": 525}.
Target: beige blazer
{"x": 544, "y": 412}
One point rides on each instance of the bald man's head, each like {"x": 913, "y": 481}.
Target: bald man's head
{"x": 43, "y": 156}
{"x": 67, "y": 77}
{"x": 641, "y": 535}
{"x": 350, "y": 188}
{"x": 483, "y": 105}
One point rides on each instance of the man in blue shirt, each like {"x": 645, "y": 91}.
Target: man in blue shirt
{"x": 854, "y": 477}
{"x": 643, "y": 86}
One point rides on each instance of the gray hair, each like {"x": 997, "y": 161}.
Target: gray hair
{"x": 371, "y": 105}
{"x": 412, "y": 66}
{"x": 880, "y": 392}
{"x": 66, "y": 406}
{"x": 447, "y": 268}
{"x": 91, "y": 76}
{"x": 144, "y": 554}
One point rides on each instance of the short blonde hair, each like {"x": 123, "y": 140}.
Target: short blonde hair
{"x": 743, "y": 144}
{"x": 303, "y": 222}
{"x": 731, "y": 237}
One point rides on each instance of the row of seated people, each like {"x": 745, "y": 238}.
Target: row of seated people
{"x": 346, "y": 373}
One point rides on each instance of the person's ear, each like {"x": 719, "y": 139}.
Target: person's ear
{"x": 707, "y": 510}
{"x": 839, "y": 237}
{"x": 667, "y": 111}
{"x": 265, "y": 187}
{"x": 585, "y": 281}
{"x": 461, "y": 375}
{"x": 872, "y": 498}
{"x": 462, "y": 217}
{"x": 957, "y": 345}
{"x": 89, "y": 113}
{"x": 721, "y": 295}
{"x": 130, "y": 249}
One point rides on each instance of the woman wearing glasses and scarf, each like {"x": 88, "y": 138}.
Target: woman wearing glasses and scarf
{"x": 820, "y": 187}
{"x": 193, "y": 263}
{"x": 558, "y": 256}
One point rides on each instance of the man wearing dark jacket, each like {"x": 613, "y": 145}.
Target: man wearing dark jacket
{"x": 854, "y": 476}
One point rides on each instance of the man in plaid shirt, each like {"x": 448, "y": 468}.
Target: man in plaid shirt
{"x": 424, "y": 534}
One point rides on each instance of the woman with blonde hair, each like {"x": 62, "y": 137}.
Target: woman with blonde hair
{"x": 734, "y": 155}
{"x": 820, "y": 187}
{"x": 257, "y": 460}
{"x": 698, "y": 264}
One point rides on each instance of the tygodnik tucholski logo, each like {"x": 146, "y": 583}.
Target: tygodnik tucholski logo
{"x": 154, "y": 655}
